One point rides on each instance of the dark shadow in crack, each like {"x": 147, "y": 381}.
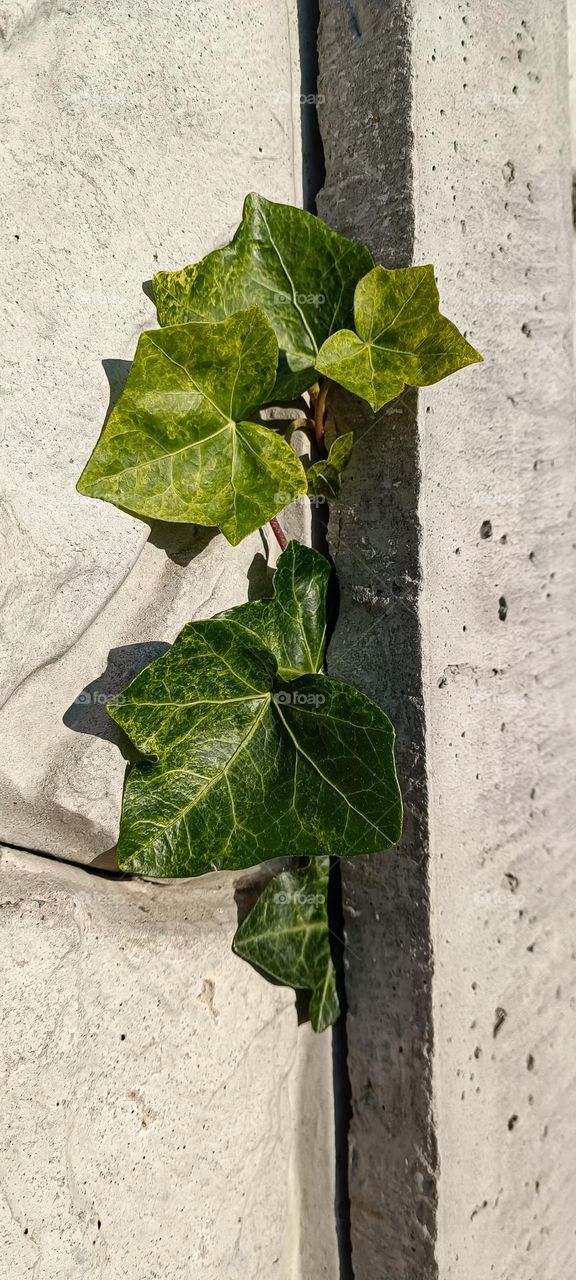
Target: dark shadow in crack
{"x": 87, "y": 714}
{"x": 313, "y": 167}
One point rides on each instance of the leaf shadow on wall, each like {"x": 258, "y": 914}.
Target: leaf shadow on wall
{"x": 88, "y": 714}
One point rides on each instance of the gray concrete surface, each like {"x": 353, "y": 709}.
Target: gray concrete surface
{"x": 130, "y": 136}
{"x": 160, "y": 1114}
{"x": 447, "y": 140}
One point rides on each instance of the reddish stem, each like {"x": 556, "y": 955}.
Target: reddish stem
{"x": 278, "y": 533}
{"x": 320, "y": 412}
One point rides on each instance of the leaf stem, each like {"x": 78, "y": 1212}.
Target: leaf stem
{"x": 320, "y": 412}
{"x": 279, "y": 534}
{"x": 299, "y": 424}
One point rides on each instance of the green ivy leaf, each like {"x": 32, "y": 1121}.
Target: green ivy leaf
{"x": 289, "y": 263}
{"x": 401, "y": 338}
{"x": 243, "y": 765}
{"x": 286, "y": 934}
{"x": 292, "y": 623}
{"x": 325, "y": 478}
{"x": 177, "y": 445}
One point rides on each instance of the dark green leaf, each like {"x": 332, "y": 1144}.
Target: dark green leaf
{"x": 289, "y": 263}
{"x": 401, "y": 338}
{"x": 293, "y": 623}
{"x": 244, "y": 765}
{"x": 177, "y": 446}
{"x": 286, "y": 934}
{"x": 325, "y": 477}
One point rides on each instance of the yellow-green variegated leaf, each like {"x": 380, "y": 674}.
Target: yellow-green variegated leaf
{"x": 325, "y": 477}
{"x": 401, "y": 337}
{"x": 177, "y": 445}
{"x": 286, "y": 934}
{"x": 286, "y": 261}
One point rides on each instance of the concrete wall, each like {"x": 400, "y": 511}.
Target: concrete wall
{"x": 162, "y": 1113}
{"x": 446, "y": 133}
{"x": 130, "y": 136}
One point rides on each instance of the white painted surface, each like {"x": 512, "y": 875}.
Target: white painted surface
{"x": 161, "y": 1114}
{"x": 492, "y": 208}
{"x": 130, "y": 135}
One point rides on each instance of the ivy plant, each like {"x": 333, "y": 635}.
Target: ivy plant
{"x": 248, "y": 752}
{"x": 287, "y": 935}
{"x": 179, "y": 446}
{"x": 287, "y": 262}
{"x": 245, "y": 748}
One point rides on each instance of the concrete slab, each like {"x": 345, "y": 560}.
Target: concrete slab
{"x": 447, "y": 140}
{"x": 130, "y": 136}
{"x": 162, "y": 1112}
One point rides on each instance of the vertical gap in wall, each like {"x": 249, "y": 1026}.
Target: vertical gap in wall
{"x": 340, "y": 1077}
{"x": 313, "y": 170}
{"x": 313, "y": 175}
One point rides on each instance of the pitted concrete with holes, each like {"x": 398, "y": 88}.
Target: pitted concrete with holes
{"x": 447, "y": 141}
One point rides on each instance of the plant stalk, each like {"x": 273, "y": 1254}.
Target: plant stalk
{"x": 320, "y": 412}
{"x": 279, "y": 534}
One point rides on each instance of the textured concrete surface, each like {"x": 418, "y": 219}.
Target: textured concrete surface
{"x": 375, "y": 540}
{"x": 162, "y": 1114}
{"x": 462, "y": 1141}
{"x": 130, "y": 134}
{"x": 499, "y": 468}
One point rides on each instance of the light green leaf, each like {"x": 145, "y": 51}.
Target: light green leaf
{"x": 289, "y": 263}
{"x": 286, "y": 934}
{"x": 401, "y": 338}
{"x": 177, "y": 446}
{"x": 244, "y": 765}
{"x": 325, "y": 478}
{"x": 292, "y": 623}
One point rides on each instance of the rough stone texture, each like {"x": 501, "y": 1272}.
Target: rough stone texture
{"x": 463, "y": 112}
{"x": 130, "y": 134}
{"x": 162, "y": 1115}
{"x": 374, "y": 538}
